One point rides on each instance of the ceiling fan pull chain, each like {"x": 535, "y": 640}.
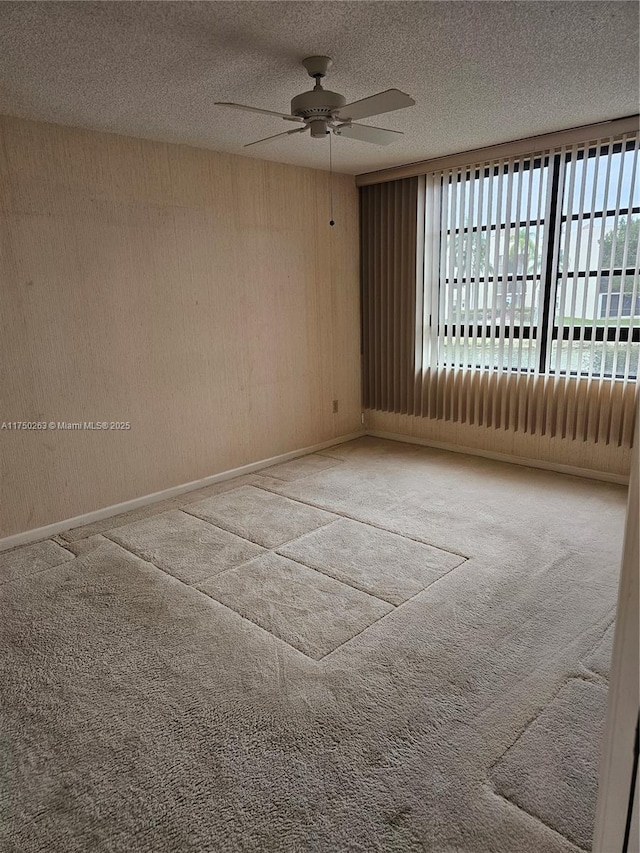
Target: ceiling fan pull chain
{"x": 331, "y": 221}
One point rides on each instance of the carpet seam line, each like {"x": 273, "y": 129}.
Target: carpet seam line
{"x": 40, "y": 571}
{"x": 211, "y": 598}
{"x": 253, "y": 541}
{"x": 337, "y": 580}
{"x": 535, "y": 817}
{"x": 521, "y": 731}
{"x": 368, "y": 523}
{"x": 274, "y": 550}
{"x": 264, "y": 471}
{"x": 64, "y": 544}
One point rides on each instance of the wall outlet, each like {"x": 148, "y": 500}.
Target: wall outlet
{"x": 335, "y": 407}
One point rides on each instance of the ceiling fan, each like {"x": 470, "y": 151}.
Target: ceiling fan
{"x": 323, "y": 112}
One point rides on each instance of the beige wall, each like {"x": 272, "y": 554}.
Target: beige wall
{"x": 602, "y": 458}
{"x": 200, "y": 296}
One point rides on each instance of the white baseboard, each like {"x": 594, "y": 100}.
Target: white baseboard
{"x": 40, "y": 533}
{"x": 49, "y": 530}
{"x": 573, "y": 470}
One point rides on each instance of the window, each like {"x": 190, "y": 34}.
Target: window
{"x": 596, "y": 280}
{"x": 537, "y": 263}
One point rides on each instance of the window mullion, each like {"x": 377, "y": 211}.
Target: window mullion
{"x": 550, "y": 261}
{"x": 571, "y": 158}
{"x": 536, "y": 285}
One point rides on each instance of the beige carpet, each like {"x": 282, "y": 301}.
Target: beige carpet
{"x": 376, "y": 648}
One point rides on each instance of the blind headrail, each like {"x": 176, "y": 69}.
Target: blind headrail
{"x": 531, "y": 145}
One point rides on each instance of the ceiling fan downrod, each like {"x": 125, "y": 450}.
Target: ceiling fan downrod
{"x": 317, "y": 107}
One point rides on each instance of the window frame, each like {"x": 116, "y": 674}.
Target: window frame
{"x": 546, "y": 329}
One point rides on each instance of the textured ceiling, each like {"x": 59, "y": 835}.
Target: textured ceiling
{"x": 481, "y": 72}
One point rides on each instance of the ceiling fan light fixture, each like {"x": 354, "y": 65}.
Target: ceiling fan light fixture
{"x": 319, "y": 128}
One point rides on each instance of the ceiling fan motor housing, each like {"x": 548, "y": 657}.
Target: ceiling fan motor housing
{"x": 318, "y": 103}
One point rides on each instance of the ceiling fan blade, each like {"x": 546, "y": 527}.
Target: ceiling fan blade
{"x": 383, "y": 102}
{"x": 365, "y": 133}
{"x": 276, "y": 135}
{"x": 257, "y": 110}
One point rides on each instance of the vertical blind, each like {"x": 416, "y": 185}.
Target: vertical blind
{"x": 391, "y": 251}
{"x": 538, "y": 263}
{"x": 523, "y": 311}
